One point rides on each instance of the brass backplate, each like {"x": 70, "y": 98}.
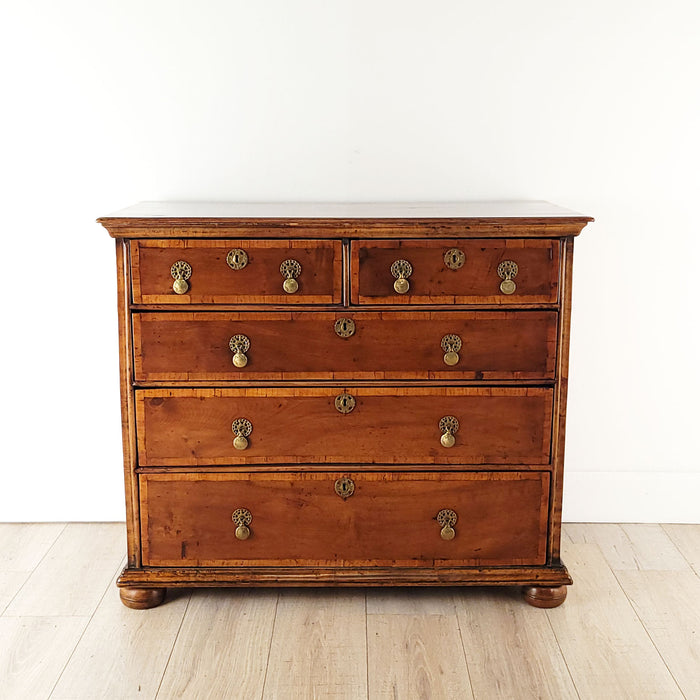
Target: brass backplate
{"x": 345, "y": 403}
{"x": 344, "y": 327}
{"x": 237, "y": 259}
{"x": 345, "y": 487}
{"x": 454, "y": 258}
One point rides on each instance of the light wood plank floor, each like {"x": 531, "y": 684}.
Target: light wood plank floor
{"x": 630, "y": 628}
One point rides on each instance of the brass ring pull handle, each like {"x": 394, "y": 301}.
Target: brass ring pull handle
{"x": 242, "y": 518}
{"x": 448, "y": 425}
{"x": 181, "y": 271}
{"x": 290, "y": 270}
{"x": 507, "y": 270}
{"x": 344, "y": 487}
{"x": 454, "y": 258}
{"x": 402, "y": 270}
{"x": 239, "y": 344}
{"x": 451, "y": 344}
{"x": 344, "y": 327}
{"x": 447, "y": 519}
{"x": 242, "y": 428}
{"x": 345, "y": 403}
{"x": 237, "y": 259}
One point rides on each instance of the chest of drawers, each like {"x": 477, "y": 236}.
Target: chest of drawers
{"x": 359, "y": 395}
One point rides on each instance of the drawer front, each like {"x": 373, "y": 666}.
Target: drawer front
{"x": 301, "y": 345}
{"x": 193, "y": 427}
{"x": 299, "y": 519}
{"x": 476, "y": 281}
{"x": 212, "y": 280}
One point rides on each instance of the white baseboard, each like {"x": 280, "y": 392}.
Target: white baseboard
{"x": 631, "y": 497}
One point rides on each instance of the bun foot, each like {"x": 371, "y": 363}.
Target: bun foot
{"x": 542, "y": 597}
{"x": 141, "y": 598}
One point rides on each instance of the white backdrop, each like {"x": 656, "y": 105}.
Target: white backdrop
{"x": 592, "y": 105}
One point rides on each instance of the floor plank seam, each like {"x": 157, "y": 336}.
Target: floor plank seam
{"x": 367, "y": 693}
{"x": 464, "y": 649}
{"x": 172, "y": 648}
{"x": 682, "y": 553}
{"x": 561, "y": 653}
{"x": 36, "y": 566}
{"x": 646, "y": 631}
{"x": 87, "y": 624}
{"x": 269, "y": 648}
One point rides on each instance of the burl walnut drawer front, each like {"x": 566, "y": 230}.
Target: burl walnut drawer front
{"x": 361, "y": 425}
{"x": 217, "y": 346}
{"x": 236, "y": 272}
{"x": 477, "y": 271}
{"x": 388, "y": 519}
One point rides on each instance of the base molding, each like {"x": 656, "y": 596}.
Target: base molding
{"x": 270, "y": 576}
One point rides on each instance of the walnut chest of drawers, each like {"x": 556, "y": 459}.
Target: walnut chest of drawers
{"x": 357, "y": 395}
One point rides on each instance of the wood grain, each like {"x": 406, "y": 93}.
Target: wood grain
{"x": 606, "y": 648}
{"x": 477, "y": 282}
{"x": 72, "y": 577}
{"x": 687, "y": 538}
{"x": 510, "y": 647}
{"x": 416, "y": 656}
{"x": 192, "y": 427}
{"x": 631, "y": 546}
{"x": 34, "y": 651}
{"x": 319, "y": 646}
{"x": 126, "y": 651}
{"x": 668, "y": 609}
{"x": 222, "y": 629}
{"x": 187, "y": 519}
{"x": 213, "y": 281}
{"x": 194, "y": 347}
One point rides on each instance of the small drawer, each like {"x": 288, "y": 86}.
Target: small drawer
{"x": 474, "y": 271}
{"x": 300, "y": 519}
{"x": 488, "y": 345}
{"x": 236, "y": 272}
{"x": 363, "y": 425}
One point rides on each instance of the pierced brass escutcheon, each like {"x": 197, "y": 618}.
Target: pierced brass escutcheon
{"x": 345, "y": 403}
{"x": 447, "y": 519}
{"x": 454, "y": 258}
{"x": 451, "y": 344}
{"x": 242, "y": 517}
{"x": 507, "y": 270}
{"x": 181, "y": 271}
{"x": 242, "y": 428}
{"x": 239, "y": 344}
{"x": 237, "y": 259}
{"x": 448, "y": 425}
{"x": 402, "y": 270}
{"x": 290, "y": 270}
{"x": 345, "y": 487}
{"x": 344, "y": 327}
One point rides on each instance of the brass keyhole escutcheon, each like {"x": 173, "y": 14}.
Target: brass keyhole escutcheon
{"x": 242, "y": 518}
{"x": 345, "y": 403}
{"x": 290, "y": 270}
{"x": 507, "y": 270}
{"x": 454, "y": 258}
{"x": 448, "y": 425}
{"x": 181, "y": 271}
{"x": 241, "y": 428}
{"x": 345, "y": 487}
{"x": 401, "y": 270}
{"x": 344, "y": 327}
{"x": 239, "y": 344}
{"x": 451, "y": 344}
{"x": 237, "y": 259}
{"x": 447, "y": 519}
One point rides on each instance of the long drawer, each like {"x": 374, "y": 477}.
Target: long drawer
{"x": 206, "y": 275}
{"x": 179, "y": 347}
{"x": 364, "y": 425}
{"x": 299, "y": 519}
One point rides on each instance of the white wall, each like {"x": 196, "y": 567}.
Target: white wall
{"x": 592, "y": 105}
